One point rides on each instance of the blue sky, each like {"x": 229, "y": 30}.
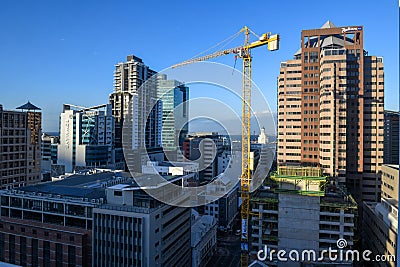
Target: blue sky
{"x": 55, "y": 52}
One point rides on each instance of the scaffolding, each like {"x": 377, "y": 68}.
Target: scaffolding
{"x": 307, "y": 181}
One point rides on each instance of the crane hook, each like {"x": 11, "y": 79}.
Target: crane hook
{"x": 234, "y": 65}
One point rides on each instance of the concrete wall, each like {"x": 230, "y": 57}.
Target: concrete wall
{"x": 298, "y": 226}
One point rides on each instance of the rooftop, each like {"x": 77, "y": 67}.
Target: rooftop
{"x": 393, "y": 166}
{"x": 328, "y": 24}
{"x": 76, "y": 186}
{"x": 201, "y": 227}
{"x": 329, "y": 41}
{"x": 176, "y": 164}
{"x": 392, "y": 201}
{"x": 258, "y": 263}
{"x": 384, "y": 213}
{"x": 330, "y": 193}
{"x": 203, "y": 134}
{"x": 28, "y": 106}
{"x": 299, "y": 180}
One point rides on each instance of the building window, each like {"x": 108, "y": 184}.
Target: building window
{"x": 59, "y": 255}
{"x": 118, "y": 193}
{"x": 35, "y": 258}
{"x": 71, "y": 256}
{"x": 46, "y": 253}
{"x": 22, "y": 249}
{"x": 11, "y": 252}
{"x": 2, "y": 246}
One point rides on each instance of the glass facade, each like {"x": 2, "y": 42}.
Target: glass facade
{"x": 174, "y": 96}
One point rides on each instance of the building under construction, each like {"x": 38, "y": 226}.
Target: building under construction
{"x": 300, "y": 209}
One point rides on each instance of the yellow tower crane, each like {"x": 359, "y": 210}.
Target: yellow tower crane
{"x": 244, "y": 52}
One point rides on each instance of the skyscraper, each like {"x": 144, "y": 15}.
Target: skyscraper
{"x": 391, "y": 144}
{"x": 20, "y": 153}
{"x": 129, "y": 76}
{"x": 330, "y": 108}
{"x": 174, "y": 96}
{"x": 86, "y": 137}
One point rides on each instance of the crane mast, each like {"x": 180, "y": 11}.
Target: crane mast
{"x": 244, "y": 52}
{"x": 245, "y": 178}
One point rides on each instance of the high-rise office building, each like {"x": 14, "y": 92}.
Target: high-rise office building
{"x": 392, "y": 135}
{"x": 174, "y": 96}
{"x": 204, "y": 148}
{"x": 49, "y": 151}
{"x": 330, "y": 108}
{"x": 20, "y": 153}
{"x": 129, "y": 76}
{"x": 86, "y": 137}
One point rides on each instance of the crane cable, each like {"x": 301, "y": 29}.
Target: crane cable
{"x": 227, "y": 41}
{"x": 255, "y": 34}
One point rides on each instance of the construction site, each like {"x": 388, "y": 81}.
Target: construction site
{"x": 301, "y": 209}
{"x": 130, "y": 182}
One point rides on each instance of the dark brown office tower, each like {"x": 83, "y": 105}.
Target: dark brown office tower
{"x": 391, "y": 145}
{"x": 20, "y": 160}
{"x": 330, "y": 108}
